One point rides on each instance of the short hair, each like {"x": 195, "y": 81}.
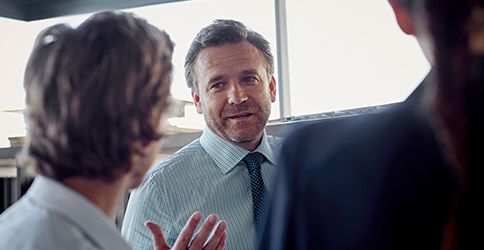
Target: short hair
{"x": 220, "y": 32}
{"x": 93, "y": 93}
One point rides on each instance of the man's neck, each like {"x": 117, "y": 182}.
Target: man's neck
{"x": 249, "y": 145}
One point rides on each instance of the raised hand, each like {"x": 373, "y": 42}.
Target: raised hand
{"x": 216, "y": 241}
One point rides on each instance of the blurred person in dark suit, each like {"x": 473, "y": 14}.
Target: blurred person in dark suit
{"x": 405, "y": 178}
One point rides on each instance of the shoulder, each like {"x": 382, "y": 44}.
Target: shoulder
{"x": 179, "y": 168}
{"x": 350, "y": 128}
{"x": 355, "y": 138}
{"x": 27, "y": 226}
{"x": 180, "y": 160}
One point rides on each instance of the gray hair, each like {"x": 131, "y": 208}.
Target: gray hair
{"x": 220, "y": 32}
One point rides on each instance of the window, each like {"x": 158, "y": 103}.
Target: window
{"x": 347, "y": 54}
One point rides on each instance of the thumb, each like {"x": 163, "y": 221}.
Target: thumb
{"x": 158, "y": 238}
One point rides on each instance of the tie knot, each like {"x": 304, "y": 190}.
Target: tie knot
{"x": 254, "y": 160}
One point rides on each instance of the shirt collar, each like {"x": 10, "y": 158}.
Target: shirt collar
{"x": 82, "y": 212}
{"x": 226, "y": 155}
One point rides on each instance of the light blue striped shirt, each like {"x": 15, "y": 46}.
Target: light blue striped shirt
{"x": 207, "y": 175}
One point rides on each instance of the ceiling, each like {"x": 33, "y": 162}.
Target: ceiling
{"x": 31, "y": 10}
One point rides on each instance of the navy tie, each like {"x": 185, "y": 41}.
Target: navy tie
{"x": 259, "y": 191}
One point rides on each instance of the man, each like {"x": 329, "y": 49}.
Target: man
{"x": 229, "y": 69}
{"x": 95, "y": 98}
{"x": 407, "y": 177}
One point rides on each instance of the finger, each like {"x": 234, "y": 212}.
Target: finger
{"x": 186, "y": 234}
{"x": 217, "y": 236}
{"x": 204, "y": 232}
{"x": 158, "y": 238}
{"x": 221, "y": 243}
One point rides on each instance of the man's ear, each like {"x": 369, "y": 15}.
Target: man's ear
{"x": 196, "y": 101}
{"x": 272, "y": 88}
{"x": 404, "y": 19}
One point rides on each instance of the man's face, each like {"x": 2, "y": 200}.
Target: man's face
{"x": 234, "y": 92}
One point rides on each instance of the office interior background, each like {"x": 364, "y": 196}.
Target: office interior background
{"x": 340, "y": 54}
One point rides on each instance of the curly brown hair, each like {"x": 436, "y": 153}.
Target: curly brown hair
{"x": 93, "y": 93}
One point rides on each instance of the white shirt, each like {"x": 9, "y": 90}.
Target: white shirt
{"x": 53, "y": 216}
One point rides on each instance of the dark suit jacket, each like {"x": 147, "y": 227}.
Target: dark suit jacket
{"x": 375, "y": 181}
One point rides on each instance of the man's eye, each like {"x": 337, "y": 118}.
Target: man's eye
{"x": 249, "y": 79}
{"x": 217, "y": 85}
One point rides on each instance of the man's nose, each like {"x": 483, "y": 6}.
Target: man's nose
{"x": 236, "y": 94}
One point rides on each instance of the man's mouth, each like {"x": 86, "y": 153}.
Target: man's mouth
{"x": 240, "y": 115}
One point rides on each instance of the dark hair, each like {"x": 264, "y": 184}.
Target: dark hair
{"x": 456, "y": 102}
{"x": 93, "y": 93}
{"x": 221, "y": 32}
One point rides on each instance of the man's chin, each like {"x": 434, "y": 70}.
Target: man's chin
{"x": 244, "y": 137}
